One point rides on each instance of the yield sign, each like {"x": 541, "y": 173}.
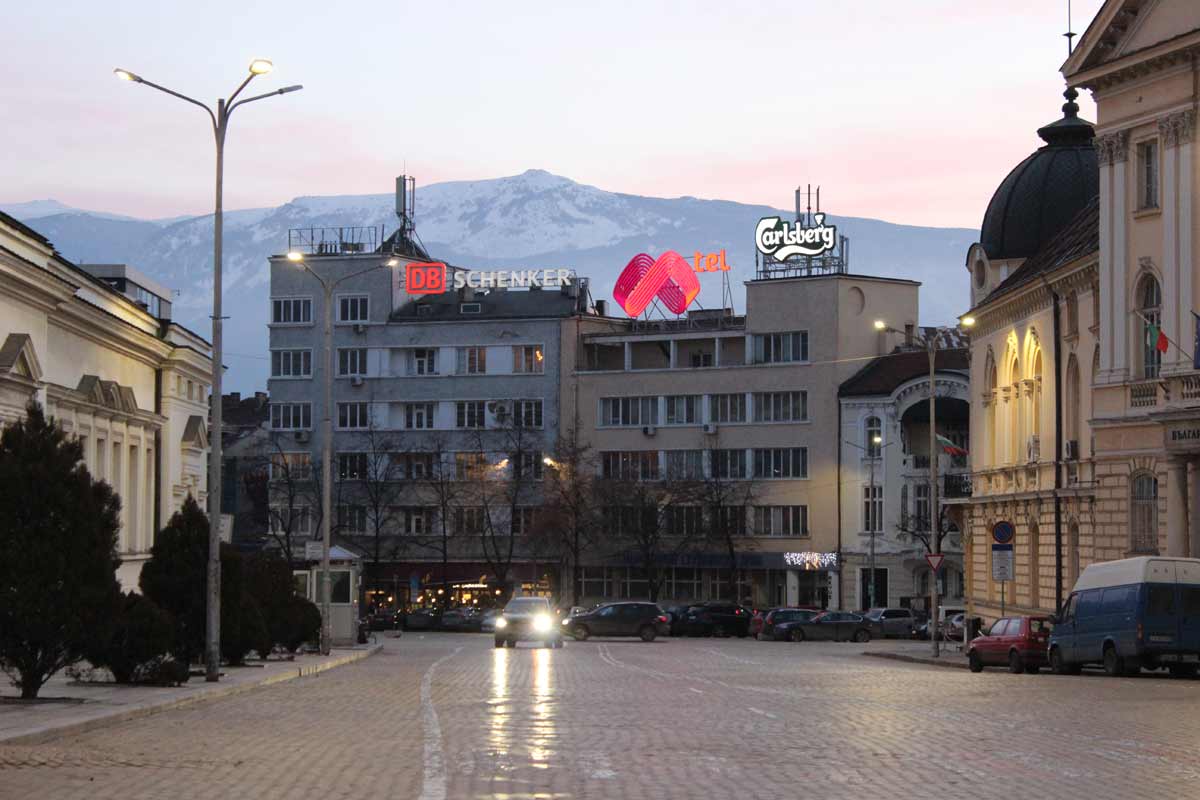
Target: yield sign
{"x": 935, "y": 561}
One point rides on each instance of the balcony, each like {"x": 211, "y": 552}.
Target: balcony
{"x": 956, "y": 486}
{"x": 1143, "y": 394}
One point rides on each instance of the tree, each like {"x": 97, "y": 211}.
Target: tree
{"x": 139, "y": 635}
{"x": 726, "y": 499}
{"x": 377, "y": 482}
{"x": 570, "y": 516}
{"x": 442, "y": 485}
{"x": 58, "y": 551}
{"x": 284, "y": 490}
{"x": 915, "y": 527}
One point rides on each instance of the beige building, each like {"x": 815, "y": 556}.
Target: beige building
{"x": 95, "y": 345}
{"x": 747, "y": 400}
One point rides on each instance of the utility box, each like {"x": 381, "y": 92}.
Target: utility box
{"x": 345, "y": 571}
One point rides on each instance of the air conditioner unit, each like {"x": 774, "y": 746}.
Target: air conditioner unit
{"x": 710, "y": 428}
{"x": 649, "y": 430}
{"x": 301, "y": 436}
{"x": 360, "y": 327}
{"x": 356, "y": 380}
{"x": 1071, "y": 452}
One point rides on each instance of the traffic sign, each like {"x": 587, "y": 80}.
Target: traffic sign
{"x": 313, "y": 551}
{"x": 1003, "y": 532}
{"x": 935, "y": 561}
{"x": 1002, "y": 562}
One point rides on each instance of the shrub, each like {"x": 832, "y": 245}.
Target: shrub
{"x": 140, "y": 633}
{"x": 248, "y": 633}
{"x": 269, "y": 581}
{"x": 163, "y": 671}
{"x": 304, "y": 623}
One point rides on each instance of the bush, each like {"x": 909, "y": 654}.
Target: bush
{"x": 163, "y": 671}
{"x": 249, "y": 632}
{"x": 304, "y": 623}
{"x": 269, "y": 581}
{"x": 140, "y": 633}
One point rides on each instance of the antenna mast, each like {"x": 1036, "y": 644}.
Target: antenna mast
{"x": 1070, "y": 34}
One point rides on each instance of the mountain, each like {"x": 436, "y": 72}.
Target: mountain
{"x": 534, "y": 219}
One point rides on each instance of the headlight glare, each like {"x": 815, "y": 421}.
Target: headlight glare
{"x": 501, "y": 622}
{"x": 541, "y": 622}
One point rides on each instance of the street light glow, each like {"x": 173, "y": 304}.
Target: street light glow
{"x": 548, "y": 461}
{"x": 392, "y": 262}
{"x": 968, "y": 322}
{"x": 876, "y": 439}
{"x": 880, "y": 325}
{"x": 126, "y": 75}
{"x": 261, "y": 66}
{"x": 295, "y": 257}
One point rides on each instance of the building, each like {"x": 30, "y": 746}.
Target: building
{"x": 885, "y": 486}
{"x": 740, "y": 406}
{"x": 95, "y": 345}
{"x": 244, "y": 444}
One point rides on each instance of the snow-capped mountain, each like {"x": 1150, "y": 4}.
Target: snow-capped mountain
{"x": 534, "y": 219}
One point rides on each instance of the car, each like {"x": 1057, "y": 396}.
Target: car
{"x": 836, "y": 626}
{"x": 758, "y": 616}
{"x": 461, "y": 620}
{"x": 527, "y": 619}
{"x": 946, "y": 615}
{"x": 385, "y": 619}
{"x": 898, "y": 622}
{"x": 778, "y": 624}
{"x": 1019, "y": 642}
{"x": 954, "y": 629}
{"x": 642, "y": 619}
{"x": 423, "y": 619}
{"x": 487, "y": 620}
{"x": 677, "y": 616}
{"x": 717, "y": 618}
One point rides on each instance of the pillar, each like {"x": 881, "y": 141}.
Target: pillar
{"x": 1177, "y": 512}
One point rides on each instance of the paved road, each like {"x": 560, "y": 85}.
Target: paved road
{"x": 448, "y": 716}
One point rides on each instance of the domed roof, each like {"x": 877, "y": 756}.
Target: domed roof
{"x": 1045, "y": 191}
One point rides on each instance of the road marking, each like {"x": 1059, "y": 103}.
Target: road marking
{"x": 697, "y": 691}
{"x": 766, "y": 714}
{"x": 433, "y": 785}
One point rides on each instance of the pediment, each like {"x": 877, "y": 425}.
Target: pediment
{"x": 1122, "y": 28}
{"x": 17, "y": 357}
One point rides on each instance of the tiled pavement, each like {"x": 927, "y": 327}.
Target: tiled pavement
{"x": 447, "y": 716}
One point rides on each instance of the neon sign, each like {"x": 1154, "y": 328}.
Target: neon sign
{"x": 808, "y": 560}
{"x": 430, "y": 278}
{"x": 669, "y": 278}
{"x": 780, "y": 239}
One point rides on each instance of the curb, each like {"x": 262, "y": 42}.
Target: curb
{"x": 46, "y": 734}
{"x": 919, "y": 660}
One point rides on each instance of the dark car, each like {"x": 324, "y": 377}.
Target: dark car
{"x": 423, "y": 619}
{"x": 675, "y": 617}
{"x": 1018, "y": 642}
{"x": 717, "y": 618}
{"x": 385, "y": 619}
{"x": 778, "y": 623}
{"x": 899, "y": 622}
{"x": 757, "y": 618}
{"x": 462, "y": 620}
{"x": 646, "y": 620}
{"x": 835, "y": 626}
{"x": 528, "y": 618}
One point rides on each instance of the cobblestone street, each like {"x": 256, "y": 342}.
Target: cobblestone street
{"x": 448, "y": 716}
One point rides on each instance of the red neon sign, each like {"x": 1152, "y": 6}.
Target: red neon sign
{"x": 427, "y": 278}
{"x": 669, "y": 278}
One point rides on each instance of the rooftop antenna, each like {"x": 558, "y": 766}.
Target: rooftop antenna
{"x": 1070, "y": 34}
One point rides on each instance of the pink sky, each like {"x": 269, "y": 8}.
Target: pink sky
{"x": 910, "y": 112}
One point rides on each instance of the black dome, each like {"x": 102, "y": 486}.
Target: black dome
{"x": 1045, "y": 191}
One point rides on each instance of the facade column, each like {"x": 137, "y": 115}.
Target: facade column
{"x": 1194, "y": 515}
{"x": 1177, "y": 511}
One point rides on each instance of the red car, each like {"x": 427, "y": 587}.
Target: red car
{"x": 756, "y": 621}
{"x": 1019, "y": 642}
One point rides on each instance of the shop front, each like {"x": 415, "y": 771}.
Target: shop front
{"x": 407, "y": 585}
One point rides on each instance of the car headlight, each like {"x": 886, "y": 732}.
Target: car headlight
{"x": 501, "y": 622}
{"x": 565, "y": 621}
{"x": 541, "y": 622}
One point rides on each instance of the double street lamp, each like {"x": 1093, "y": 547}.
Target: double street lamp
{"x": 220, "y": 124}
{"x": 874, "y": 517}
{"x": 328, "y": 285}
{"x": 930, "y": 342}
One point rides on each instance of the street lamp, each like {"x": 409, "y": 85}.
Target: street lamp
{"x": 930, "y": 341}
{"x": 877, "y": 446}
{"x": 328, "y": 286}
{"x": 220, "y": 123}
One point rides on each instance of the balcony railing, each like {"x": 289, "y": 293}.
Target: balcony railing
{"x": 335, "y": 241}
{"x": 1143, "y": 395}
{"x": 956, "y": 486}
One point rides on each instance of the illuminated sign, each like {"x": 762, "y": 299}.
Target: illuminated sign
{"x": 713, "y": 262}
{"x": 780, "y": 239}
{"x": 430, "y": 278}
{"x": 811, "y": 560}
{"x": 668, "y": 278}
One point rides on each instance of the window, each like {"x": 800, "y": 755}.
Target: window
{"x": 352, "y": 308}
{"x": 291, "y": 363}
{"x": 1072, "y": 314}
{"x": 684, "y": 520}
{"x": 468, "y": 521}
{"x": 728, "y": 463}
{"x": 872, "y": 509}
{"x": 702, "y": 359}
{"x": 415, "y": 521}
{"x": 352, "y": 362}
{"x": 352, "y": 416}
{"x": 528, "y": 359}
{"x": 528, "y": 413}
{"x": 411, "y": 466}
{"x": 1143, "y": 513}
{"x": 730, "y": 520}
{"x": 468, "y": 414}
{"x": 874, "y": 443}
{"x": 296, "y": 520}
{"x": 352, "y": 519}
{"x": 144, "y": 298}
{"x": 339, "y": 585}
{"x": 422, "y": 361}
{"x": 531, "y": 464}
{"x": 780, "y": 406}
{"x": 727, "y": 408}
{"x": 470, "y": 466}
{"x": 775, "y": 348}
{"x": 472, "y": 360}
{"x": 292, "y": 311}
{"x": 352, "y": 466}
{"x": 687, "y": 465}
{"x": 523, "y": 521}
{"x": 630, "y": 465}
{"x": 921, "y": 506}
{"x": 781, "y": 520}
{"x": 290, "y": 466}
{"x": 291, "y": 416}
{"x": 683, "y": 409}
{"x": 782, "y": 462}
{"x": 1160, "y": 600}
{"x": 632, "y": 411}
{"x": 470, "y": 308}
{"x": 1150, "y": 310}
{"x": 1147, "y": 167}
{"x": 418, "y": 416}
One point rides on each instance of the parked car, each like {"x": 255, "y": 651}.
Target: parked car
{"x": 953, "y": 632}
{"x": 385, "y": 619}
{"x": 487, "y": 620}
{"x": 645, "y": 620}
{"x": 422, "y": 619}
{"x": 717, "y": 618}
{"x": 464, "y": 620}
{"x": 778, "y": 623}
{"x": 527, "y": 619}
{"x": 1129, "y": 614}
{"x": 1019, "y": 642}
{"x": 898, "y": 622}
{"x": 675, "y": 618}
{"x": 837, "y": 626}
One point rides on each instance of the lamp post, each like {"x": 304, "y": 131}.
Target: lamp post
{"x": 328, "y": 286}
{"x": 877, "y": 446}
{"x": 935, "y": 513}
{"x": 220, "y": 124}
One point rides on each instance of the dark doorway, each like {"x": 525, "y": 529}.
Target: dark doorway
{"x": 864, "y": 589}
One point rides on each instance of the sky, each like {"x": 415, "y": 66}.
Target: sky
{"x": 912, "y": 112}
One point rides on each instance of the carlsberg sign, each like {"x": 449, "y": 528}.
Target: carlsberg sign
{"x": 780, "y": 239}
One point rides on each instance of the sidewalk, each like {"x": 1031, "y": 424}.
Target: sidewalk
{"x": 70, "y": 707}
{"x": 917, "y": 652}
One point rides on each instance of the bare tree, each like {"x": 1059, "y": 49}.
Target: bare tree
{"x": 285, "y": 496}
{"x": 570, "y": 520}
{"x": 727, "y": 498}
{"x": 375, "y": 478}
{"x": 915, "y": 526}
{"x": 441, "y": 484}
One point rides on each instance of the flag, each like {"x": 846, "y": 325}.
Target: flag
{"x": 1196, "y": 343}
{"x": 1156, "y": 338}
{"x": 950, "y": 447}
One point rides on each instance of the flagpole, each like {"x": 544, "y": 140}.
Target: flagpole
{"x": 1142, "y": 317}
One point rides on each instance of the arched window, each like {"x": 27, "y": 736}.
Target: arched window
{"x": 991, "y": 438}
{"x": 1035, "y": 395}
{"x": 874, "y": 443}
{"x": 904, "y": 505}
{"x": 1143, "y": 514}
{"x": 1071, "y": 409}
{"x": 1149, "y": 298}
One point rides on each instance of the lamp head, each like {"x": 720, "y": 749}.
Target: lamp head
{"x": 126, "y": 75}
{"x": 876, "y": 439}
{"x": 967, "y": 321}
{"x": 880, "y": 325}
{"x": 261, "y": 66}
{"x": 392, "y": 262}
{"x": 295, "y": 256}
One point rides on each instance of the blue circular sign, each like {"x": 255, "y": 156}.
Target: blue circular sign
{"x": 1003, "y": 532}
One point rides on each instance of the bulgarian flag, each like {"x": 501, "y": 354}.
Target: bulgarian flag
{"x": 950, "y": 447}
{"x": 1156, "y": 338}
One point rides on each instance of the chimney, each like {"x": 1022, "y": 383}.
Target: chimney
{"x": 602, "y": 308}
